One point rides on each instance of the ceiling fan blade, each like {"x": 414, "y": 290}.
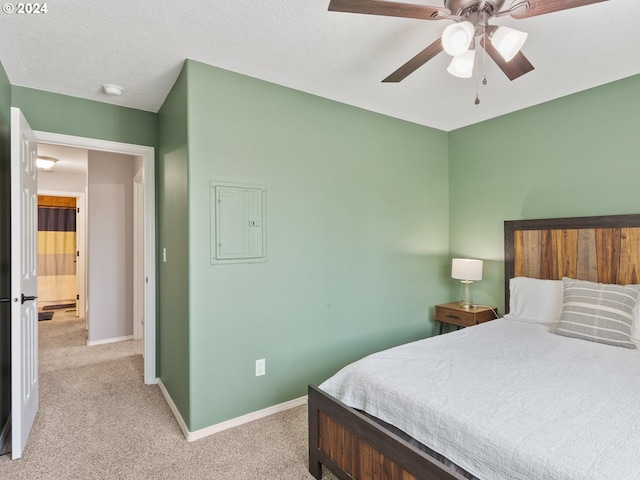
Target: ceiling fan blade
{"x": 514, "y": 68}
{"x": 540, "y": 7}
{"x": 390, "y": 9}
{"x": 416, "y": 62}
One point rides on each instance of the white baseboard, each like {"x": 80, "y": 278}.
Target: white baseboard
{"x": 174, "y": 409}
{"x": 249, "y": 417}
{"x": 234, "y": 422}
{"x": 108, "y": 340}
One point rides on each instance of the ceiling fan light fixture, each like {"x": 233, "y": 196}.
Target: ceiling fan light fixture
{"x": 462, "y": 65}
{"x": 45, "y": 163}
{"x": 457, "y": 37}
{"x": 508, "y": 41}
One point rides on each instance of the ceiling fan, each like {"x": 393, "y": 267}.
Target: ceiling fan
{"x": 471, "y": 19}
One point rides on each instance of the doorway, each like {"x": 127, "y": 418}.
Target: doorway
{"x": 59, "y": 279}
{"x": 79, "y": 296}
{"x": 146, "y": 183}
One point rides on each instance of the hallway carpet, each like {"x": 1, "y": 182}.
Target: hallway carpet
{"x": 97, "y": 420}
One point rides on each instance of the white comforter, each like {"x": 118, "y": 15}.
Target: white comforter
{"x": 508, "y": 400}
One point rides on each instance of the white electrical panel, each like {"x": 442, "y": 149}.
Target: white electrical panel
{"x": 238, "y": 230}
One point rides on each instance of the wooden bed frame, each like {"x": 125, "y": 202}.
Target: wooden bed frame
{"x": 604, "y": 249}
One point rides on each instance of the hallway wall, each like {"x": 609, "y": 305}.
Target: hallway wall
{"x": 110, "y": 227}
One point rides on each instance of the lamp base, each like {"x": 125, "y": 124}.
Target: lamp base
{"x": 467, "y": 301}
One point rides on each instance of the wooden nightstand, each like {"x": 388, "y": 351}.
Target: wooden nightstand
{"x": 454, "y": 314}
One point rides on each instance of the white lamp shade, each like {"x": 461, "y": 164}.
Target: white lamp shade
{"x": 508, "y": 41}
{"x": 466, "y": 269}
{"x": 462, "y": 65}
{"x": 457, "y": 37}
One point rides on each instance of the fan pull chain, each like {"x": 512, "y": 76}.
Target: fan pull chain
{"x": 484, "y": 58}
{"x": 484, "y": 66}
{"x": 475, "y": 74}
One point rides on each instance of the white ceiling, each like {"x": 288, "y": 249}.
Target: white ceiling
{"x": 78, "y": 45}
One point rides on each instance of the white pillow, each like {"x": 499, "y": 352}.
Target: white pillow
{"x": 635, "y": 326}
{"x": 535, "y": 301}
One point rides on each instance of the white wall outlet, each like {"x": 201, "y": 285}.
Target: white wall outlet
{"x": 261, "y": 367}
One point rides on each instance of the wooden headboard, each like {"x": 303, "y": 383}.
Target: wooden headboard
{"x": 602, "y": 249}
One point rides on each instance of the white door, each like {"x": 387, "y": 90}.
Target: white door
{"x": 24, "y": 281}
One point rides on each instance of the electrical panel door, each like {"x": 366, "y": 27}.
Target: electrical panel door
{"x": 238, "y": 223}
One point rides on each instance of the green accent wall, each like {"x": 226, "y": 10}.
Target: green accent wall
{"x": 5, "y": 247}
{"x": 173, "y": 235}
{"x": 575, "y": 156}
{"x": 52, "y": 112}
{"x": 357, "y": 240}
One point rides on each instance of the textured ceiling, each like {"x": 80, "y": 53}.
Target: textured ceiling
{"x": 78, "y": 45}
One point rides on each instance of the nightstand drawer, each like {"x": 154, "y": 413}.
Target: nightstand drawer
{"x": 454, "y": 314}
{"x": 455, "y": 317}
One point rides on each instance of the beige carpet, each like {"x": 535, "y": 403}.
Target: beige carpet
{"x": 97, "y": 420}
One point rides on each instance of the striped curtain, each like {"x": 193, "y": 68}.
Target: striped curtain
{"x": 56, "y": 254}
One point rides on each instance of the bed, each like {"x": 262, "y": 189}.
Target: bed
{"x": 507, "y": 399}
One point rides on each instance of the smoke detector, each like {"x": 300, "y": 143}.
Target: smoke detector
{"x": 111, "y": 89}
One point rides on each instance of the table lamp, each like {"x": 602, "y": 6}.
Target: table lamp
{"x": 467, "y": 271}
